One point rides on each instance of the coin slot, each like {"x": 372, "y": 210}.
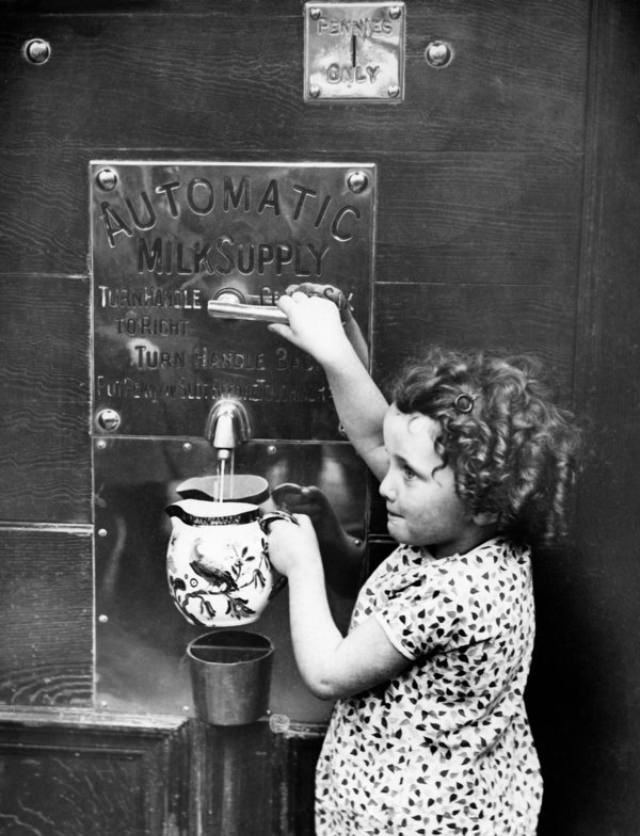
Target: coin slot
{"x": 354, "y": 51}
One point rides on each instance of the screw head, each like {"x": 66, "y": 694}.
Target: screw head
{"x": 394, "y": 91}
{"x": 37, "y": 51}
{"x": 108, "y": 420}
{"x": 357, "y": 181}
{"x": 438, "y": 54}
{"x": 395, "y": 12}
{"x": 314, "y": 91}
{"x": 107, "y": 179}
{"x": 315, "y": 13}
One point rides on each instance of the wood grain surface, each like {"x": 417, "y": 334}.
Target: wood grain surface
{"x": 45, "y": 464}
{"x": 507, "y": 217}
{"x": 46, "y": 617}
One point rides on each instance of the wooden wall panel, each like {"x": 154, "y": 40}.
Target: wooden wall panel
{"x": 591, "y": 619}
{"x": 236, "y": 780}
{"x": 296, "y": 752}
{"x": 479, "y": 218}
{"x": 82, "y": 775}
{"x": 231, "y": 79}
{"x": 44, "y": 225}
{"x": 411, "y": 317}
{"x": 46, "y": 618}
{"x": 256, "y": 779}
{"x": 44, "y": 445}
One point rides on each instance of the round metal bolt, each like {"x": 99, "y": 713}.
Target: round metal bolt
{"x": 438, "y": 54}
{"x": 108, "y": 420}
{"x": 315, "y": 13}
{"x": 187, "y": 446}
{"x": 279, "y": 723}
{"x": 314, "y": 91}
{"x": 101, "y": 444}
{"x": 103, "y": 619}
{"x": 394, "y": 91}
{"x": 395, "y": 12}
{"x": 357, "y": 181}
{"x": 102, "y": 532}
{"x": 272, "y": 450}
{"x": 107, "y": 179}
{"x": 37, "y": 51}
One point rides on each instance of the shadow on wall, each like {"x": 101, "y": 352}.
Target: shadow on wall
{"x": 574, "y": 696}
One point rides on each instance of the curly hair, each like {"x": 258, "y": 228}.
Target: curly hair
{"x": 512, "y": 450}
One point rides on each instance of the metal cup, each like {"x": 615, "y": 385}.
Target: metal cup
{"x": 230, "y": 676}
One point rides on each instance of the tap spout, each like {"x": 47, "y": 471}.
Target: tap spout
{"x": 227, "y": 426}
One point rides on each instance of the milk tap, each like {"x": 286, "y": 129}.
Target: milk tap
{"x": 227, "y": 427}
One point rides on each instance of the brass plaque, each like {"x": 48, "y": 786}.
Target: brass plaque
{"x": 167, "y": 237}
{"x": 354, "y": 51}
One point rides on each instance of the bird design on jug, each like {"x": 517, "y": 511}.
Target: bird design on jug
{"x": 218, "y": 568}
{"x": 215, "y": 567}
{"x": 222, "y": 572}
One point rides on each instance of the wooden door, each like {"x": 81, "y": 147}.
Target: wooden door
{"x": 506, "y": 217}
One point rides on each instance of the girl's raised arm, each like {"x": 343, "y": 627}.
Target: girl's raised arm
{"x": 315, "y": 327}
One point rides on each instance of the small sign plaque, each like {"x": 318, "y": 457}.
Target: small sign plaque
{"x": 167, "y": 237}
{"x": 354, "y": 51}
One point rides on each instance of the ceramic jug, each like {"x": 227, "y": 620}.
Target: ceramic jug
{"x": 218, "y": 564}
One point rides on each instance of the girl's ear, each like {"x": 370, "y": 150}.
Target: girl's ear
{"x": 485, "y": 518}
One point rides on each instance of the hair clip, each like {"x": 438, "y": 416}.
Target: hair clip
{"x": 464, "y": 403}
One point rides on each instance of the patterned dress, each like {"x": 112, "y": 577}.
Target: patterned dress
{"x": 444, "y": 748}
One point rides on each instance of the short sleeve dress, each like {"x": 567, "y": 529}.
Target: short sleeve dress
{"x": 444, "y": 748}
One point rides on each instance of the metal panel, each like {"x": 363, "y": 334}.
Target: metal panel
{"x": 167, "y": 237}
{"x": 140, "y": 635}
{"x": 354, "y": 51}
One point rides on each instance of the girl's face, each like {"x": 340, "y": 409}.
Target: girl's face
{"x": 422, "y": 505}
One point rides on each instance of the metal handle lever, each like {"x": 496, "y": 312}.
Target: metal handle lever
{"x": 238, "y": 310}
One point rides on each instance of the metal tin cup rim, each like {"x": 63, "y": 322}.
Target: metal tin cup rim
{"x": 230, "y": 640}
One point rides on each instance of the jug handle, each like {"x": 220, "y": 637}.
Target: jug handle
{"x": 270, "y": 517}
{"x": 265, "y": 522}
{"x": 178, "y": 513}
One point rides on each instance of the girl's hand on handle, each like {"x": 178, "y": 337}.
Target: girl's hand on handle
{"x": 293, "y": 547}
{"x": 314, "y": 326}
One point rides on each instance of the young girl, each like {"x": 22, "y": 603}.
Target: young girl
{"x": 429, "y": 734}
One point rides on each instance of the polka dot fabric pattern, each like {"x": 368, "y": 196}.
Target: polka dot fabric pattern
{"x": 445, "y": 748}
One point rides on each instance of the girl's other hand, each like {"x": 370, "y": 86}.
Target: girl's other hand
{"x": 341, "y": 553}
{"x": 293, "y": 547}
